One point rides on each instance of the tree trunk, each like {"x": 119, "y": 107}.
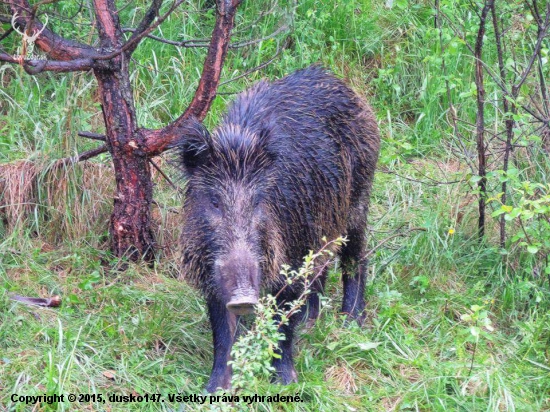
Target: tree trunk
{"x": 480, "y": 119}
{"x": 129, "y": 228}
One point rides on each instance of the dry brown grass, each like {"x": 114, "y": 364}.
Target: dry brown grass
{"x": 18, "y": 192}
{"x": 166, "y": 223}
{"x": 77, "y": 199}
{"x": 68, "y": 199}
{"x": 390, "y": 403}
{"x": 73, "y": 202}
{"x": 409, "y": 373}
{"x": 341, "y": 378}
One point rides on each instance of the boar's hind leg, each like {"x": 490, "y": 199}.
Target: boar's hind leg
{"x": 354, "y": 272}
{"x": 223, "y": 330}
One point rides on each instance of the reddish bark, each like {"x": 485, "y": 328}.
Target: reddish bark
{"x": 129, "y": 226}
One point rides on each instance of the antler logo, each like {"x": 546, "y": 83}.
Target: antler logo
{"x": 25, "y": 51}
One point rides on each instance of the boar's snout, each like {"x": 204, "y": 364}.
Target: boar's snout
{"x": 242, "y": 305}
{"x": 240, "y": 276}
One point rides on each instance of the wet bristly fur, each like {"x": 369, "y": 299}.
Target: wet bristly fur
{"x": 305, "y": 147}
{"x": 290, "y": 165}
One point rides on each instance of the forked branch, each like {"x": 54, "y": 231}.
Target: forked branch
{"x": 160, "y": 140}
{"x": 145, "y": 23}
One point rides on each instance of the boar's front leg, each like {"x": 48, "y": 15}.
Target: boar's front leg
{"x": 313, "y": 301}
{"x": 284, "y": 366}
{"x": 223, "y": 331}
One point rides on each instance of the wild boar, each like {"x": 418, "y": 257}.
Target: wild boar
{"x": 291, "y": 163}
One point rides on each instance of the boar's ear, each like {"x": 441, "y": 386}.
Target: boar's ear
{"x": 193, "y": 146}
{"x": 267, "y": 145}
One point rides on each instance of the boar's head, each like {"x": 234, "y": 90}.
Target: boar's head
{"x": 226, "y": 211}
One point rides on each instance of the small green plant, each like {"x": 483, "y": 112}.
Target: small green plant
{"x": 479, "y": 327}
{"x": 89, "y": 282}
{"x": 253, "y": 352}
{"x": 532, "y": 216}
{"x": 420, "y": 282}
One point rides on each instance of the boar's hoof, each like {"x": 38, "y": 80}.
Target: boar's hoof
{"x": 358, "y": 317}
{"x": 242, "y": 306}
{"x": 285, "y": 375}
{"x": 219, "y": 380}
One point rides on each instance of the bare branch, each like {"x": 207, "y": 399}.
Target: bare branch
{"x": 134, "y": 40}
{"x": 206, "y": 91}
{"x": 7, "y": 33}
{"x": 82, "y": 156}
{"x": 69, "y": 18}
{"x": 158, "y": 169}
{"x": 480, "y": 117}
{"x": 457, "y": 31}
{"x": 509, "y": 123}
{"x": 542, "y": 32}
{"x": 38, "y": 66}
{"x": 144, "y": 25}
{"x": 260, "y": 66}
{"x": 238, "y": 45}
{"x": 184, "y": 43}
{"x": 160, "y": 140}
{"x": 52, "y": 302}
{"x": 190, "y": 43}
{"x": 535, "y": 11}
{"x": 108, "y": 24}
{"x": 93, "y": 136}
{"x": 543, "y": 88}
{"x": 535, "y": 115}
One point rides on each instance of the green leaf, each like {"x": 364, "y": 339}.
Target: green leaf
{"x": 507, "y": 208}
{"x": 497, "y": 212}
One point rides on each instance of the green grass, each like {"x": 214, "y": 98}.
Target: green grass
{"x": 143, "y": 331}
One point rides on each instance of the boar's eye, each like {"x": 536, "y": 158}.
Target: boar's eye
{"x": 215, "y": 202}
